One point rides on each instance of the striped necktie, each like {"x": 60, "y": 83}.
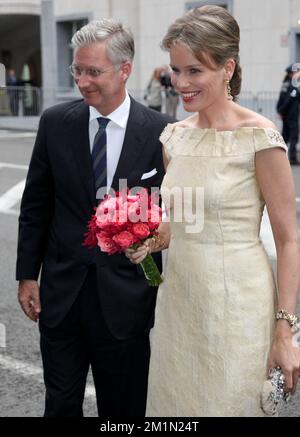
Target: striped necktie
{"x": 99, "y": 155}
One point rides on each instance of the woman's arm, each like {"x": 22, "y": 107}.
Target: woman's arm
{"x": 276, "y": 183}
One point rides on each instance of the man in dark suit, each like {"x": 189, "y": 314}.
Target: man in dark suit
{"x": 93, "y": 309}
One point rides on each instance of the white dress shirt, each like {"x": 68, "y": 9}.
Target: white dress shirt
{"x": 115, "y": 133}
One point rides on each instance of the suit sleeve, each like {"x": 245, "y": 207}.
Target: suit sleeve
{"x": 36, "y": 210}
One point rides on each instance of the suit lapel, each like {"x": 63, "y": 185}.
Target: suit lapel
{"x": 80, "y": 145}
{"x": 133, "y": 146}
{"x": 134, "y": 141}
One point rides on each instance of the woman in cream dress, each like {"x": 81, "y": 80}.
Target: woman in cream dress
{"x": 215, "y": 334}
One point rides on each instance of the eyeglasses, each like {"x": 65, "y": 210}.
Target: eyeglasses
{"x": 77, "y": 71}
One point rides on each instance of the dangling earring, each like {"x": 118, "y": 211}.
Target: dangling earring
{"x": 229, "y": 95}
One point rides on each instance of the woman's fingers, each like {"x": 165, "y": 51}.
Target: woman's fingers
{"x": 136, "y": 256}
{"x": 291, "y": 379}
{"x": 288, "y": 381}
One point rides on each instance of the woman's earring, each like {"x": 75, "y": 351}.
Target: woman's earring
{"x": 229, "y": 95}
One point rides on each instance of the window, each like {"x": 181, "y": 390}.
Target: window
{"x": 65, "y": 31}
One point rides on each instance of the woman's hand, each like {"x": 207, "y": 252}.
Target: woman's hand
{"x": 152, "y": 244}
{"x": 286, "y": 355}
{"x": 136, "y": 256}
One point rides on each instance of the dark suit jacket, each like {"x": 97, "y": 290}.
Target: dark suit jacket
{"x": 57, "y": 203}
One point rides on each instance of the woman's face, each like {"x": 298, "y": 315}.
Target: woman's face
{"x": 200, "y": 86}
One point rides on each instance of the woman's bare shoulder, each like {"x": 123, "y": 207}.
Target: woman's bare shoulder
{"x": 253, "y": 119}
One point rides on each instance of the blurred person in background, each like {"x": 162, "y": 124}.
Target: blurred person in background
{"x": 153, "y": 95}
{"x": 171, "y": 95}
{"x": 288, "y": 109}
{"x": 13, "y": 91}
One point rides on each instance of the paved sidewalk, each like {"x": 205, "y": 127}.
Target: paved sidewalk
{"x": 19, "y": 123}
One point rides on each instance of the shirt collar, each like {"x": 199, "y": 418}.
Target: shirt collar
{"x": 119, "y": 116}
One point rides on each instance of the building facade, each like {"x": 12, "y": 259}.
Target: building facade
{"x": 36, "y": 34}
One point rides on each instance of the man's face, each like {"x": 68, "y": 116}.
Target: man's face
{"x": 105, "y": 91}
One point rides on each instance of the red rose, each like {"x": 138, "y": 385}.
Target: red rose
{"x": 124, "y": 239}
{"x": 154, "y": 217}
{"x": 140, "y": 230}
{"x": 106, "y": 244}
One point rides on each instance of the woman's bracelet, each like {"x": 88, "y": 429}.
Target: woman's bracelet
{"x": 292, "y": 319}
{"x": 159, "y": 242}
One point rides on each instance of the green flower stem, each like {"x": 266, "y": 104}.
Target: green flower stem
{"x": 151, "y": 271}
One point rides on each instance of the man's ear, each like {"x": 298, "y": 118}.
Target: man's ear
{"x": 126, "y": 69}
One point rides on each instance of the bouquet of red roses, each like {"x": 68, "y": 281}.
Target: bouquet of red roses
{"x": 125, "y": 221}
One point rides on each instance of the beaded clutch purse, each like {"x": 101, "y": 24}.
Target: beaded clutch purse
{"x": 273, "y": 395}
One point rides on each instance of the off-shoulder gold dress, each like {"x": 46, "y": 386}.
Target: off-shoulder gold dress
{"x": 215, "y": 309}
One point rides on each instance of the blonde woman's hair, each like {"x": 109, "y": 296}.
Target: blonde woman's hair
{"x": 209, "y": 30}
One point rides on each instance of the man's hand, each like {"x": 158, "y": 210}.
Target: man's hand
{"x": 29, "y": 298}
